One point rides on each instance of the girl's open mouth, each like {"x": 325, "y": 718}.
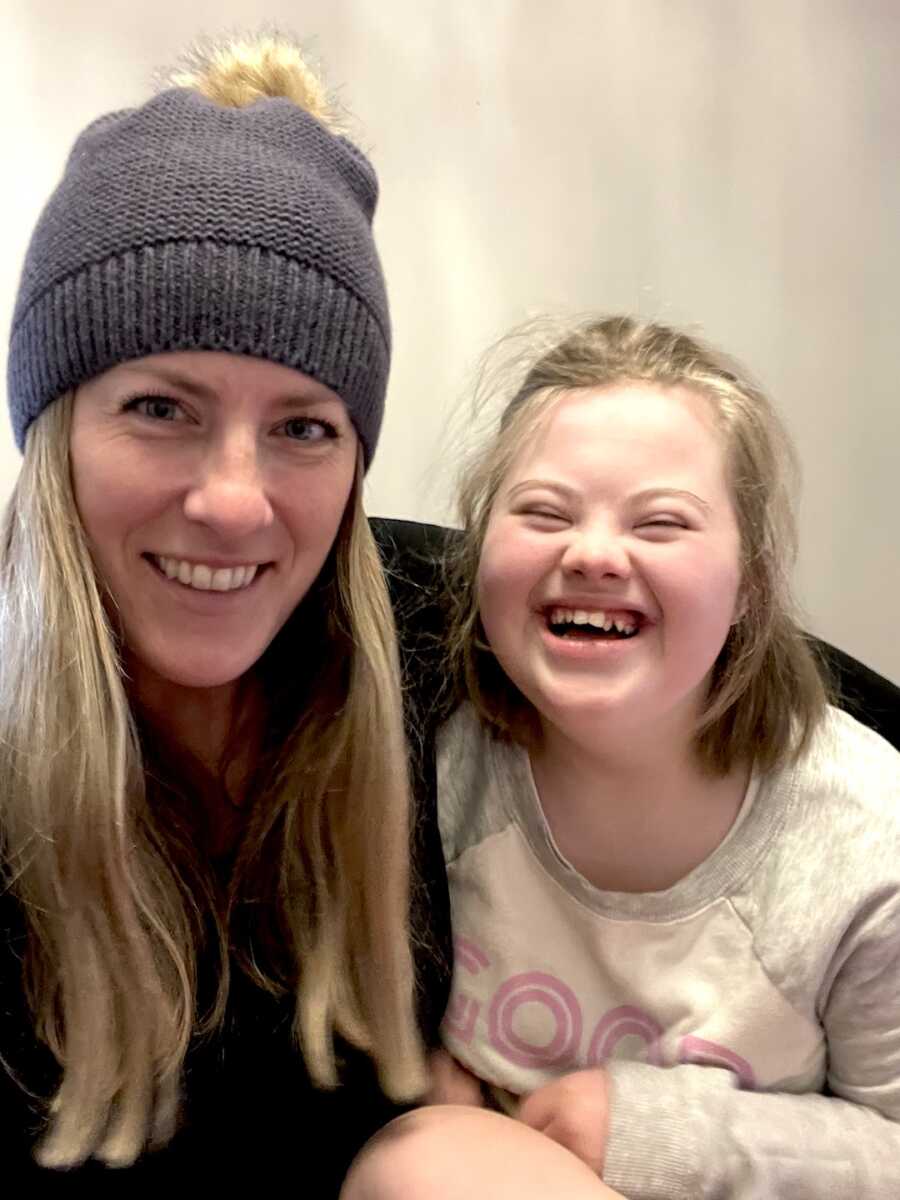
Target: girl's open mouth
{"x": 594, "y": 625}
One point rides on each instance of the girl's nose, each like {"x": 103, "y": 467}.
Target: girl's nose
{"x": 595, "y": 554}
{"x": 230, "y": 497}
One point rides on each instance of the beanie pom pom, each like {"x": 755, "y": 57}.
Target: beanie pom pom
{"x": 238, "y": 72}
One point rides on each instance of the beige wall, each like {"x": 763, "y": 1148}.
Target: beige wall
{"x": 726, "y": 163}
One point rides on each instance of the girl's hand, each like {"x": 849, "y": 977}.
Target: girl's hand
{"x": 573, "y": 1111}
{"x": 451, "y": 1083}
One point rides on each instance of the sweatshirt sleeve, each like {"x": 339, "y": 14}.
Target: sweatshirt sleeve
{"x": 690, "y": 1133}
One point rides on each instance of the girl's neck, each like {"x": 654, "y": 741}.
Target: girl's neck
{"x": 637, "y": 817}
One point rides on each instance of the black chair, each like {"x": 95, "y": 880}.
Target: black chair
{"x": 862, "y": 692}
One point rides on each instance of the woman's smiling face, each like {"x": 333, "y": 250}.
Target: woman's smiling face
{"x": 211, "y": 487}
{"x": 616, "y": 513}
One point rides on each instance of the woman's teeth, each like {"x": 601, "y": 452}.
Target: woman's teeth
{"x": 607, "y": 622}
{"x": 207, "y": 579}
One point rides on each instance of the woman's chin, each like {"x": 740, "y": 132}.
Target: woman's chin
{"x": 195, "y": 671}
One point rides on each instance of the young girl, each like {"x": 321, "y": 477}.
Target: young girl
{"x": 674, "y": 869}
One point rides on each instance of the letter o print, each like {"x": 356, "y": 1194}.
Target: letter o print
{"x": 556, "y": 998}
{"x": 625, "y": 1021}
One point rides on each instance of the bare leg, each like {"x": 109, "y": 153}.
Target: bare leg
{"x": 450, "y": 1152}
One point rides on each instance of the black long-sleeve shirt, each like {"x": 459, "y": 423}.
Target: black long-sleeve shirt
{"x": 250, "y": 1111}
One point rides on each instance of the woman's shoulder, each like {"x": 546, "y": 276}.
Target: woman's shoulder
{"x": 399, "y": 537}
{"x": 413, "y": 556}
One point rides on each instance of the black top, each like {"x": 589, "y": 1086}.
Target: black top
{"x": 250, "y": 1108}
{"x": 249, "y": 1105}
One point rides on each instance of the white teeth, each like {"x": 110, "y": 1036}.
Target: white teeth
{"x": 598, "y": 619}
{"x": 204, "y": 578}
{"x": 201, "y": 577}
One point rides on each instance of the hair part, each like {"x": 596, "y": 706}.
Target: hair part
{"x": 766, "y": 692}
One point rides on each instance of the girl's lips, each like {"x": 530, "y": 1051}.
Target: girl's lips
{"x": 581, "y": 648}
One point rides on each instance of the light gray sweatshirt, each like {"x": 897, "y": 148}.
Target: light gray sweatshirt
{"x": 748, "y": 1017}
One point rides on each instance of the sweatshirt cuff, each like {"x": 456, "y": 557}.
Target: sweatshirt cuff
{"x": 653, "y": 1150}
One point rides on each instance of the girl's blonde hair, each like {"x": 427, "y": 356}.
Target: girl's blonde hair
{"x": 116, "y": 895}
{"x": 766, "y": 694}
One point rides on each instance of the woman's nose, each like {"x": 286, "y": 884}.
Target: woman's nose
{"x": 230, "y": 496}
{"x": 595, "y": 553}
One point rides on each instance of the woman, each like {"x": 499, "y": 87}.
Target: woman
{"x": 204, "y": 798}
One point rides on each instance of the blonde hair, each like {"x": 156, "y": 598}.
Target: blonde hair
{"x": 118, "y": 901}
{"x": 766, "y": 693}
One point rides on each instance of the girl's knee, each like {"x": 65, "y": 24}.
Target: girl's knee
{"x": 404, "y": 1159}
{"x": 450, "y": 1152}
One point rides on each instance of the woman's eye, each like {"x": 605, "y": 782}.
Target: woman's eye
{"x": 308, "y": 429}
{"x": 157, "y": 408}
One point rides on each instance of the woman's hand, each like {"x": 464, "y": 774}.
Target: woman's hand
{"x": 574, "y": 1111}
{"x": 451, "y": 1083}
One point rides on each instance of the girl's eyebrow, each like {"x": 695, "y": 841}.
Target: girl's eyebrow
{"x": 552, "y": 485}
{"x": 569, "y": 493}
{"x": 679, "y": 493}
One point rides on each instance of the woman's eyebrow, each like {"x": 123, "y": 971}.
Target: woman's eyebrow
{"x": 171, "y": 377}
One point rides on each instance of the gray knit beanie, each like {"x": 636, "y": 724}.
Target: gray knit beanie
{"x": 186, "y": 225}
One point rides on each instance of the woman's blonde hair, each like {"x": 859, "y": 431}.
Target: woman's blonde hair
{"x": 118, "y": 900}
{"x": 766, "y": 693}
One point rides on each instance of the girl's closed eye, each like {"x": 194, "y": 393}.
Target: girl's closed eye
{"x": 663, "y": 521}
{"x": 539, "y": 514}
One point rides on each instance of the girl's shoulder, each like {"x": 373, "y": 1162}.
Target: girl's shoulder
{"x": 482, "y": 782}
{"x": 847, "y": 756}
{"x": 845, "y": 800}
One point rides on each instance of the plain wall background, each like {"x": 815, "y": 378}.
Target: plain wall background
{"x": 727, "y": 164}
